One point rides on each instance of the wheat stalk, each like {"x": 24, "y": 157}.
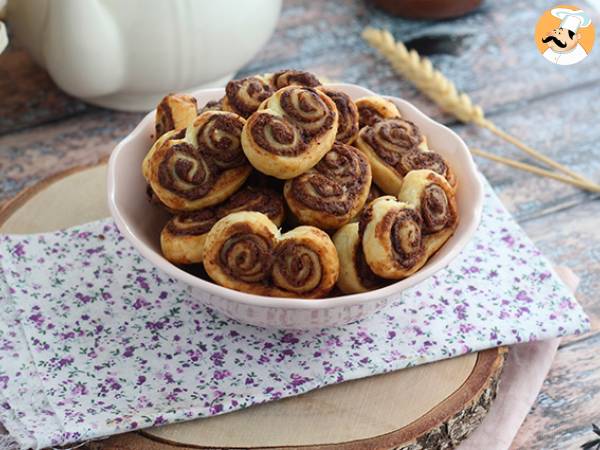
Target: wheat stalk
{"x": 441, "y": 90}
{"x": 535, "y": 170}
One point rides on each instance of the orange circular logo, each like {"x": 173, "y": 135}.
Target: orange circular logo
{"x": 565, "y": 35}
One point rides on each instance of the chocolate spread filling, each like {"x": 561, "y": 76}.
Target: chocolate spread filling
{"x": 310, "y": 109}
{"x": 179, "y": 135}
{"x": 366, "y": 276}
{"x": 374, "y": 192}
{"x": 223, "y": 133}
{"x": 435, "y": 209}
{"x": 396, "y": 142}
{"x": 202, "y": 179}
{"x": 347, "y": 114}
{"x": 368, "y": 116}
{"x": 254, "y": 87}
{"x": 285, "y": 78}
{"x": 292, "y": 260}
{"x": 246, "y": 255}
{"x": 197, "y": 222}
{"x": 418, "y": 159}
{"x": 165, "y": 120}
{"x": 253, "y": 199}
{"x": 212, "y": 105}
{"x": 405, "y": 235}
{"x": 248, "y": 199}
{"x": 282, "y": 132}
{"x": 333, "y": 185}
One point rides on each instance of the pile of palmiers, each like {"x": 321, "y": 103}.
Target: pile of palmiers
{"x": 285, "y": 187}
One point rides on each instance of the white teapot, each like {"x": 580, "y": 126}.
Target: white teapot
{"x": 127, "y": 54}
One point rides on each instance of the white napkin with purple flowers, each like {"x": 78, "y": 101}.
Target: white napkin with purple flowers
{"x": 95, "y": 341}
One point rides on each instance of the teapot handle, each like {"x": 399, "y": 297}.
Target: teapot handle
{"x": 3, "y": 33}
{"x": 83, "y": 49}
{"x": 3, "y": 37}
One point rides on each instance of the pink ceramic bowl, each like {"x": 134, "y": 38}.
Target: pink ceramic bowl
{"x": 140, "y": 222}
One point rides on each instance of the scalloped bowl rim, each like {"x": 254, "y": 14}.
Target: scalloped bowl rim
{"x": 468, "y": 223}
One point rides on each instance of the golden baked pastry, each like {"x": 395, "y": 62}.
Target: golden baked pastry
{"x": 202, "y": 168}
{"x": 174, "y": 112}
{"x": 435, "y": 199}
{"x": 394, "y": 148}
{"x": 245, "y": 251}
{"x": 347, "y": 115}
{"x": 244, "y": 96}
{"x": 331, "y": 193}
{"x": 285, "y": 78}
{"x": 291, "y": 132}
{"x": 212, "y": 105}
{"x": 355, "y": 273}
{"x": 400, "y": 235}
{"x": 373, "y": 109}
{"x": 182, "y": 238}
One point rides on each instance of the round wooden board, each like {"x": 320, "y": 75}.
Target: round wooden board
{"x": 426, "y": 407}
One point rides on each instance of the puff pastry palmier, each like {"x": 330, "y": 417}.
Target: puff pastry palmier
{"x": 291, "y": 131}
{"x": 174, "y": 112}
{"x": 245, "y": 251}
{"x": 202, "y": 168}
{"x": 331, "y": 193}
{"x": 244, "y": 96}
{"x": 435, "y": 199}
{"x": 394, "y": 148}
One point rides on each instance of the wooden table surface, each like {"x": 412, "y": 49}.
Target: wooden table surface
{"x": 490, "y": 54}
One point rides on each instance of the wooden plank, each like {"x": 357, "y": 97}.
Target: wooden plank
{"x": 560, "y": 129}
{"x": 562, "y": 415}
{"x": 490, "y": 54}
{"x": 32, "y": 155}
{"x": 558, "y": 126}
{"x": 496, "y": 60}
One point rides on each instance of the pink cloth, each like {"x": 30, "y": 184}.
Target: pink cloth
{"x": 524, "y": 372}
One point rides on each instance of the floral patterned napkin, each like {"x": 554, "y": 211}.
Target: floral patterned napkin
{"x": 95, "y": 341}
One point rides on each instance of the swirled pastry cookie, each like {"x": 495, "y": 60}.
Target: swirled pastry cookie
{"x": 332, "y": 192}
{"x": 373, "y": 109}
{"x": 291, "y": 132}
{"x": 394, "y": 148}
{"x": 244, "y": 96}
{"x": 400, "y": 235}
{"x": 347, "y": 115}
{"x": 202, "y": 168}
{"x": 246, "y": 252}
{"x": 435, "y": 199}
{"x": 285, "y": 78}
{"x": 174, "y": 112}
{"x": 355, "y": 273}
{"x": 392, "y": 238}
{"x": 182, "y": 238}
